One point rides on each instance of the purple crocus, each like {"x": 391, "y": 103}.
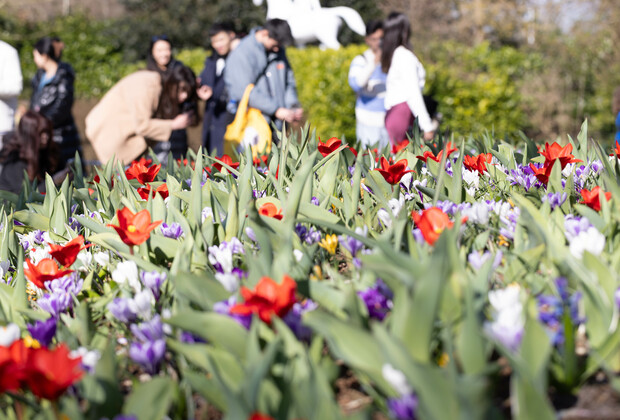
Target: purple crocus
{"x": 404, "y": 407}
{"x": 293, "y": 319}
{"x": 54, "y": 303}
{"x": 153, "y": 280}
{"x": 351, "y": 244}
{"x": 172, "y": 230}
{"x": 150, "y": 330}
{"x": 223, "y": 308}
{"x": 123, "y": 309}
{"x": 555, "y": 199}
{"x": 189, "y": 338}
{"x": 552, "y": 311}
{"x": 148, "y": 354}
{"x": 378, "y": 300}
{"x": 617, "y": 297}
{"x": 574, "y": 225}
{"x": 315, "y": 201}
{"x": 43, "y": 331}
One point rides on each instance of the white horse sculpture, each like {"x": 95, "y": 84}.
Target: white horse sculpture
{"x": 310, "y": 22}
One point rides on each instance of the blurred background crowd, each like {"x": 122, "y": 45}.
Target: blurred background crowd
{"x": 537, "y": 66}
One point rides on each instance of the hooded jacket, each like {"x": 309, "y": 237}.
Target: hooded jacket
{"x": 276, "y": 88}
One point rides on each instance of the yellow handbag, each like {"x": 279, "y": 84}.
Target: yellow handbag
{"x": 249, "y": 128}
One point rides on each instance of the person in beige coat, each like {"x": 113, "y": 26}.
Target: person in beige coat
{"x": 140, "y": 107}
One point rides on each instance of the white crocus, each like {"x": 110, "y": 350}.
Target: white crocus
{"x": 590, "y": 240}
{"x": 127, "y": 272}
{"x": 298, "y": 255}
{"x": 396, "y": 379}
{"x": 86, "y": 258}
{"x": 102, "y": 258}
{"x": 384, "y": 217}
{"x": 144, "y": 301}
{"x": 228, "y": 280}
{"x": 9, "y": 334}
{"x": 507, "y": 316}
{"x": 477, "y": 213}
{"x": 471, "y": 180}
{"x": 396, "y": 205}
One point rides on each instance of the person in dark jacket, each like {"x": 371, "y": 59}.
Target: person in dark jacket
{"x": 212, "y": 88}
{"x": 160, "y": 59}
{"x": 30, "y": 149}
{"x": 52, "y": 97}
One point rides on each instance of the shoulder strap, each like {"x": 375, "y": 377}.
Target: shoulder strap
{"x": 262, "y": 73}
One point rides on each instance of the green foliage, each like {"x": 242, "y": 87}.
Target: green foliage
{"x": 478, "y": 88}
{"x": 323, "y": 88}
{"x": 94, "y": 55}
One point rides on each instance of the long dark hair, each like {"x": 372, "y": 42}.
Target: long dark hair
{"x": 179, "y": 77}
{"x": 396, "y": 33}
{"x": 28, "y": 143}
{"x": 151, "y": 64}
{"x": 47, "y": 46}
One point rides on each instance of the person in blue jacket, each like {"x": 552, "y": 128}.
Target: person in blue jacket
{"x": 367, "y": 80}
{"x": 261, "y": 59}
{"x": 212, "y": 88}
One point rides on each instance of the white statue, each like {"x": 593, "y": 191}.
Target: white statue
{"x": 310, "y": 22}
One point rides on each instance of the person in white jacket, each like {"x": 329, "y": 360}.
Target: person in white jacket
{"x": 405, "y": 81}
{"x": 367, "y": 80}
{"x": 11, "y": 85}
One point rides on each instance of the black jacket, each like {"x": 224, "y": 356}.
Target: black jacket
{"x": 216, "y": 118}
{"x": 54, "y": 101}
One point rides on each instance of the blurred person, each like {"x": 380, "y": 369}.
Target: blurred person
{"x": 52, "y": 97}
{"x": 11, "y": 84}
{"x": 261, "y": 59}
{"x": 405, "y": 81}
{"x": 367, "y": 80}
{"x": 59, "y": 47}
{"x": 616, "y": 110}
{"x": 140, "y": 108}
{"x": 212, "y": 89}
{"x": 32, "y": 149}
{"x": 161, "y": 60}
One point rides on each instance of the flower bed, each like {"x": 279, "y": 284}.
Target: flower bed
{"x": 447, "y": 280}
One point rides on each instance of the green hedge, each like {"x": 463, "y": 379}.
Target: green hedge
{"x": 479, "y": 88}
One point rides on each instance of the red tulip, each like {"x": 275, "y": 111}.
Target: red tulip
{"x": 555, "y": 151}
{"x": 270, "y": 210}
{"x": 268, "y": 298}
{"x": 138, "y": 170}
{"x": 393, "y": 173}
{"x": 67, "y": 254}
{"x": 592, "y": 198}
{"x": 616, "y": 151}
{"x": 430, "y": 155}
{"x": 259, "y": 416}
{"x": 431, "y": 223}
{"x": 12, "y": 365}
{"x": 330, "y": 146}
{"x": 400, "y": 146}
{"x": 478, "y": 163}
{"x": 227, "y": 160}
{"x": 46, "y": 270}
{"x": 542, "y": 174}
{"x": 260, "y": 159}
{"x": 51, "y": 372}
{"x": 162, "y": 190}
{"x": 134, "y": 229}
